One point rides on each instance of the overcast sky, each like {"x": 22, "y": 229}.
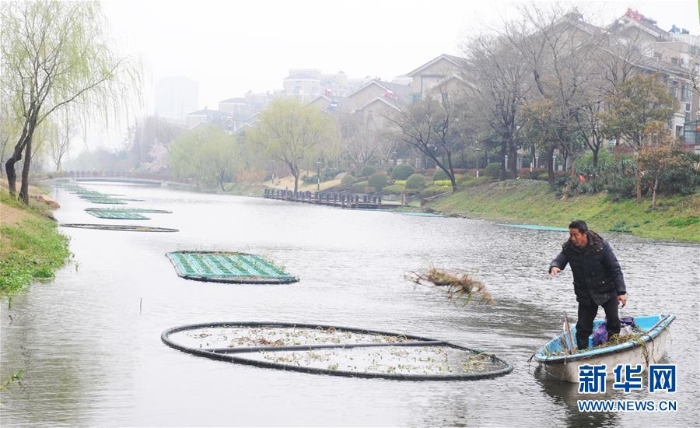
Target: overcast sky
{"x": 230, "y": 47}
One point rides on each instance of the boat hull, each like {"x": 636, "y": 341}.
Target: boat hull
{"x": 648, "y": 349}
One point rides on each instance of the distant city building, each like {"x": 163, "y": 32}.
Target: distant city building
{"x": 207, "y": 116}
{"x": 176, "y": 97}
{"x": 307, "y": 84}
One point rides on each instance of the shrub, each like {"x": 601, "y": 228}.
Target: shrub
{"x": 624, "y": 187}
{"x": 310, "y": 179}
{"x": 415, "y": 182}
{"x": 329, "y": 174}
{"x": 439, "y": 174}
{"x": 347, "y": 181}
{"x": 367, "y": 171}
{"x": 378, "y": 180}
{"x": 683, "y": 222}
{"x": 359, "y": 187}
{"x": 493, "y": 170}
{"x": 394, "y": 189}
{"x": 402, "y": 172}
{"x": 435, "y": 190}
{"x": 475, "y": 181}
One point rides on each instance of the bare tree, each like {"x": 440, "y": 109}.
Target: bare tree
{"x": 148, "y": 142}
{"x": 560, "y": 48}
{"x": 55, "y": 57}
{"x": 361, "y": 143}
{"x": 433, "y": 127}
{"x": 496, "y": 74}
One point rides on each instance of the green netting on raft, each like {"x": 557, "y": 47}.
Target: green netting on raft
{"x": 231, "y": 267}
{"x": 108, "y": 201}
{"x": 119, "y": 227}
{"x": 130, "y": 210}
{"x": 117, "y": 215}
{"x": 536, "y": 227}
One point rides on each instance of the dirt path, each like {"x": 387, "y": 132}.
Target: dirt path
{"x": 10, "y": 216}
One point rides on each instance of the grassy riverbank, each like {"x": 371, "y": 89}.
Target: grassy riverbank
{"x": 532, "y": 202}
{"x": 31, "y": 248}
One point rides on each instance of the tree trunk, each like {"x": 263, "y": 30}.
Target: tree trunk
{"x": 571, "y": 156}
{"x": 24, "y": 188}
{"x": 11, "y": 176}
{"x": 595, "y": 157}
{"x": 504, "y": 151}
{"x": 638, "y": 182}
{"x": 513, "y": 160}
{"x": 295, "y": 173}
{"x": 550, "y": 165}
{"x": 653, "y": 193}
{"x": 24, "y": 140}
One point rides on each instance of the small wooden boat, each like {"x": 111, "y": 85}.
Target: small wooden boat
{"x": 647, "y": 345}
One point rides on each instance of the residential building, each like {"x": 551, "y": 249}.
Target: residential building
{"x": 674, "y": 55}
{"x": 206, "y": 115}
{"x": 307, "y": 84}
{"x": 432, "y": 73}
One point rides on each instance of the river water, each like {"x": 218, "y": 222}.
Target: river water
{"x": 90, "y": 349}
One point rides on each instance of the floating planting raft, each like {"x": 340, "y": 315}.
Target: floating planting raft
{"x": 131, "y": 210}
{"x": 109, "y": 201}
{"x": 119, "y": 227}
{"x": 117, "y": 215}
{"x": 337, "y": 351}
{"x": 230, "y": 267}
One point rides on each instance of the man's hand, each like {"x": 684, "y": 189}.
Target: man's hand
{"x": 622, "y": 299}
{"x": 554, "y": 272}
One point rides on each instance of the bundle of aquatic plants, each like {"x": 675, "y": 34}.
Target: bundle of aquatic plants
{"x": 460, "y": 286}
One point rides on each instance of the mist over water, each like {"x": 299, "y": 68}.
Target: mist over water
{"x": 89, "y": 342}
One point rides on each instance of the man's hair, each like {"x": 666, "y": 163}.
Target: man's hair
{"x": 580, "y": 225}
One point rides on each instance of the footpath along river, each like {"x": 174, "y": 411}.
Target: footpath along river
{"x": 90, "y": 349}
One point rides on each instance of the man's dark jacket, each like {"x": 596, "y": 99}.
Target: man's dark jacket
{"x": 597, "y": 273}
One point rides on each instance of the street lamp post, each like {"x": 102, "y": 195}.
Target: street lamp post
{"x": 273, "y": 172}
{"x": 477, "y": 150}
{"x": 318, "y": 176}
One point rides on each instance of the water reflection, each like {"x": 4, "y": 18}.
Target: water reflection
{"x": 566, "y": 395}
{"x": 89, "y": 342}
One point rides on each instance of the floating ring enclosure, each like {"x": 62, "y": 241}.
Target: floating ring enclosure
{"x": 230, "y": 267}
{"x": 333, "y": 350}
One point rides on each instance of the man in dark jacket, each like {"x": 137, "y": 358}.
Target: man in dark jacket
{"x": 598, "y": 279}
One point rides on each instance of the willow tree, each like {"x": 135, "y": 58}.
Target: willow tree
{"x": 206, "y": 154}
{"x": 294, "y": 134}
{"x": 55, "y": 56}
